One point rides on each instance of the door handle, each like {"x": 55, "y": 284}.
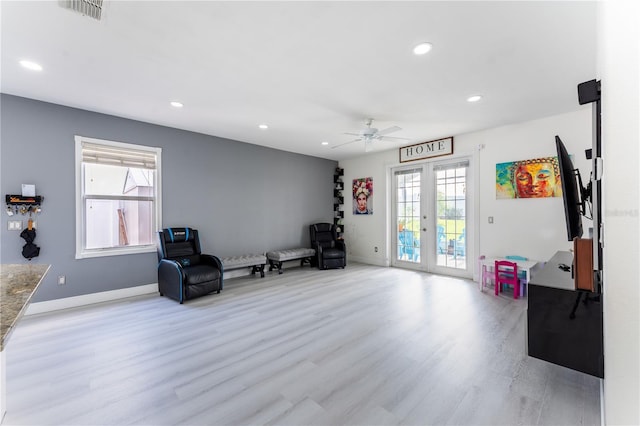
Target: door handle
{"x": 424, "y": 229}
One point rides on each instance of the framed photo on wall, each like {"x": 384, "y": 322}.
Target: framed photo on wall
{"x": 363, "y": 196}
{"x": 533, "y": 178}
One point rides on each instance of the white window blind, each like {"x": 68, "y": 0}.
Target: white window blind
{"x": 448, "y": 166}
{"x": 115, "y": 155}
{"x": 407, "y": 171}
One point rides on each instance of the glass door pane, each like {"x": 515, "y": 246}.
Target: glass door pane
{"x": 408, "y": 198}
{"x": 451, "y": 201}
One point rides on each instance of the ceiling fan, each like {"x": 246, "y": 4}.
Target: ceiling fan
{"x": 368, "y": 134}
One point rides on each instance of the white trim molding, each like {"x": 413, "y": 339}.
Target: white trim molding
{"x": 89, "y": 299}
{"x": 367, "y": 260}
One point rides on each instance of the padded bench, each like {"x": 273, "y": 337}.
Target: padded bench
{"x": 277, "y": 257}
{"x": 256, "y": 262}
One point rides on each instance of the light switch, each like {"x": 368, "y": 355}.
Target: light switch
{"x": 490, "y": 219}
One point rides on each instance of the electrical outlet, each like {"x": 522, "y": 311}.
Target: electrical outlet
{"x": 14, "y": 225}
{"x": 375, "y": 249}
{"x": 62, "y": 280}
{"x": 490, "y": 219}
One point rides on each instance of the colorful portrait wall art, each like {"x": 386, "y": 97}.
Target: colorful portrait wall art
{"x": 363, "y": 196}
{"x": 535, "y": 178}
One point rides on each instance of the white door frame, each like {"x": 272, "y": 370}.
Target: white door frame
{"x": 469, "y": 217}
{"x": 394, "y": 229}
{"x": 428, "y": 252}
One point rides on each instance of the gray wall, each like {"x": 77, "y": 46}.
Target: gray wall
{"x": 242, "y": 198}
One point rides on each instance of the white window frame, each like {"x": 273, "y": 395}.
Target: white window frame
{"x": 81, "y": 251}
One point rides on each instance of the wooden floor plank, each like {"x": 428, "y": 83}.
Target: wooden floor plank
{"x": 361, "y": 346}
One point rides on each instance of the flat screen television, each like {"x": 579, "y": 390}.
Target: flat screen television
{"x": 571, "y": 194}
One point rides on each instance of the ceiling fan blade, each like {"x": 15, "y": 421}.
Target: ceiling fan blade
{"x": 346, "y": 143}
{"x": 394, "y": 138}
{"x": 352, "y": 134}
{"x": 388, "y": 130}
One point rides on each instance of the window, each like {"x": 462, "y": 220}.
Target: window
{"x": 117, "y": 197}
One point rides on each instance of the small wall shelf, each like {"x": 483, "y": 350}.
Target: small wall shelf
{"x": 19, "y": 200}
{"x": 338, "y": 200}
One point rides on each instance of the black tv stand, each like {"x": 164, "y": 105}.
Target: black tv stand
{"x": 586, "y": 300}
{"x": 560, "y": 329}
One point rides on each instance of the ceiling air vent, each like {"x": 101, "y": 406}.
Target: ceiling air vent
{"x": 90, "y": 8}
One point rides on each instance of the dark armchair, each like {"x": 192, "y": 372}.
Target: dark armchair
{"x": 330, "y": 251}
{"x": 183, "y": 271}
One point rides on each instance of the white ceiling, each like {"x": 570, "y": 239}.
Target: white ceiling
{"x": 310, "y": 70}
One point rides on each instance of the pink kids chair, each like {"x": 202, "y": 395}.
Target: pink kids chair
{"x": 485, "y": 274}
{"x": 507, "y": 273}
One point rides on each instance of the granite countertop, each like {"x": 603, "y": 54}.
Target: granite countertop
{"x": 17, "y": 284}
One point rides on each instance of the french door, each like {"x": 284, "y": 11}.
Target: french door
{"x": 430, "y": 214}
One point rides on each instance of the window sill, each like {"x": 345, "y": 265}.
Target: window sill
{"x": 116, "y": 251}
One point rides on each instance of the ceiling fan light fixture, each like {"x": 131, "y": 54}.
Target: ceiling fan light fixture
{"x": 474, "y": 98}
{"x": 422, "y": 48}
{"x": 368, "y": 145}
{"x": 30, "y": 65}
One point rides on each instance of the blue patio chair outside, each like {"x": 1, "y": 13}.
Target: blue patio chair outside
{"x": 407, "y": 245}
{"x": 442, "y": 240}
{"x": 460, "y": 246}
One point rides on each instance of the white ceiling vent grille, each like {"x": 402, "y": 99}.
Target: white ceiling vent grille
{"x": 90, "y": 8}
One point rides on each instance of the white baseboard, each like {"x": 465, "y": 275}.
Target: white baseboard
{"x": 368, "y": 260}
{"x": 88, "y": 299}
{"x": 242, "y": 272}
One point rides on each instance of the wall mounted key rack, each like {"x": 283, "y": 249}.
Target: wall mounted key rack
{"x": 17, "y": 204}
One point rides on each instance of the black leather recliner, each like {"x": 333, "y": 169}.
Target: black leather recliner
{"x": 183, "y": 271}
{"x": 330, "y": 251}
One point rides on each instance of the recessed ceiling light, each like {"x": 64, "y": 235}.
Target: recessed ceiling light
{"x": 263, "y": 126}
{"x": 325, "y": 143}
{"x": 177, "y": 104}
{"x": 422, "y": 48}
{"x": 31, "y": 65}
{"x": 474, "y": 98}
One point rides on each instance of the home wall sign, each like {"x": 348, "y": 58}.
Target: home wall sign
{"x": 424, "y": 150}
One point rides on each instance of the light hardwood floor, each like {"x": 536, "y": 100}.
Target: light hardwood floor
{"x": 363, "y": 346}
